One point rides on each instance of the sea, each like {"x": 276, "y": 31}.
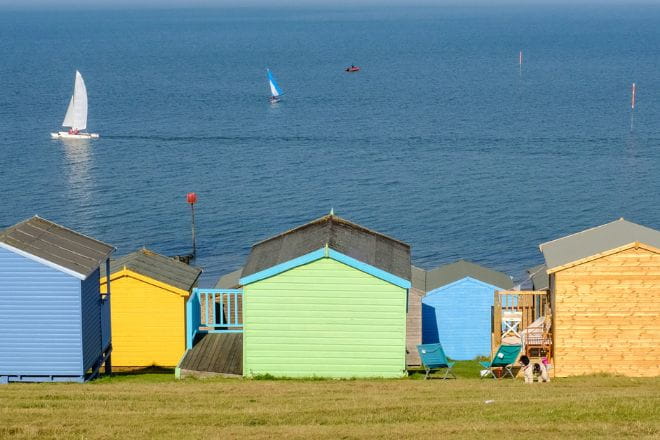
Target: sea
{"x": 442, "y": 140}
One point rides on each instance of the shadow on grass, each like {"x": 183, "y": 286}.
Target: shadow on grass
{"x": 141, "y": 374}
{"x": 462, "y": 370}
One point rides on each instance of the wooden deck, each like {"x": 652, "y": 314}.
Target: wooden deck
{"x": 219, "y": 353}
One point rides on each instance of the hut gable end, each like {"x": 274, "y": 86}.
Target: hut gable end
{"x": 606, "y": 315}
{"x": 148, "y": 323}
{"x": 51, "y": 243}
{"x": 30, "y": 310}
{"x": 324, "y": 319}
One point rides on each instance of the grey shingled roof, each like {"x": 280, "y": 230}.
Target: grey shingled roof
{"x": 57, "y": 244}
{"x": 595, "y": 241}
{"x": 158, "y": 267}
{"x": 230, "y": 280}
{"x": 350, "y": 239}
{"x": 418, "y": 278}
{"x": 539, "y": 277}
{"x": 449, "y": 273}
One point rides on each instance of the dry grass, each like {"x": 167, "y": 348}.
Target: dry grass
{"x": 149, "y": 406}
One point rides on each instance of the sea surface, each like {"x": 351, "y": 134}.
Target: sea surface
{"x": 441, "y": 140}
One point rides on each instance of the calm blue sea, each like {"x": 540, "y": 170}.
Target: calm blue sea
{"x": 440, "y": 140}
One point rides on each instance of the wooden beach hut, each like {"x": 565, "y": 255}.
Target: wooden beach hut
{"x": 326, "y": 299}
{"x": 457, "y": 308}
{"x": 149, "y": 292}
{"x": 414, "y": 316}
{"x": 54, "y": 324}
{"x": 605, "y": 297}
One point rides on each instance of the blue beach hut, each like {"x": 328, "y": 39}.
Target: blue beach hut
{"x": 54, "y": 324}
{"x": 457, "y": 308}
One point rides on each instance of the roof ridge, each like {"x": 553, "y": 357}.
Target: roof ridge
{"x": 150, "y": 253}
{"x": 330, "y": 218}
{"x": 621, "y": 219}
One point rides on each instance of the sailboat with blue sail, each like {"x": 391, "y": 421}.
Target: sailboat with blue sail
{"x": 275, "y": 90}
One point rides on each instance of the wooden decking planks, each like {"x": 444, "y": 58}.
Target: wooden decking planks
{"x": 216, "y": 353}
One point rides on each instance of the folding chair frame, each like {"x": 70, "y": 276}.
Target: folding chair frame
{"x": 449, "y": 366}
{"x": 507, "y": 370}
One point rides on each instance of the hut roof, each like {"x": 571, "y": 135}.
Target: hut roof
{"x": 230, "y": 280}
{"x": 595, "y": 241}
{"x": 539, "y": 277}
{"x": 158, "y": 267}
{"x": 351, "y": 239}
{"x": 418, "y": 278}
{"x": 449, "y": 273}
{"x": 56, "y": 244}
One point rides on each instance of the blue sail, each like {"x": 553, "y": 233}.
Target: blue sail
{"x": 274, "y": 88}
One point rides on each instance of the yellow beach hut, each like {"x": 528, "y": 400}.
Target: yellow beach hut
{"x": 149, "y": 292}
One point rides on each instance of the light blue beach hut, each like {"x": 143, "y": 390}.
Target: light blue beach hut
{"x": 54, "y": 323}
{"x": 457, "y": 308}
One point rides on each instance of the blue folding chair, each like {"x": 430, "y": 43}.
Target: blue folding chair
{"x": 434, "y": 358}
{"x": 504, "y": 358}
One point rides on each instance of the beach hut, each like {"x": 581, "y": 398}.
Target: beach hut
{"x": 326, "y": 299}
{"x": 54, "y": 324}
{"x": 605, "y": 298}
{"x": 538, "y": 275}
{"x": 149, "y": 292}
{"x": 230, "y": 280}
{"x": 414, "y": 316}
{"x": 457, "y": 309}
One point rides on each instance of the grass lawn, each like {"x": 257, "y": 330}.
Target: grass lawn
{"x": 156, "y": 405}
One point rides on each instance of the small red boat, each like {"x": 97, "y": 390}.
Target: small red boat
{"x": 353, "y": 69}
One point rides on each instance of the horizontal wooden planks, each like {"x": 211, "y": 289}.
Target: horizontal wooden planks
{"x": 40, "y": 319}
{"x": 148, "y": 326}
{"x": 607, "y": 315}
{"x": 324, "y": 319}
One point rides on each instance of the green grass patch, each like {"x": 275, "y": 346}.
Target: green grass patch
{"x": 130, "y": 405}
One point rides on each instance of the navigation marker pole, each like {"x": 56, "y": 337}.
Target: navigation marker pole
{"x": 632, "y": 107}
{"x": 520, "y": 60}
{"x": 191, "y": 198}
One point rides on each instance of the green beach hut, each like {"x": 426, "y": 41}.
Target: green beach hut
{"x": 326, "y": 299}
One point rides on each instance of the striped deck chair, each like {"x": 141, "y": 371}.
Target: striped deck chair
{"x": 434, "y": 358}
{"x": 504, "y": 358}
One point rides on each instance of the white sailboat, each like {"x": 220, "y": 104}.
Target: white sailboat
{"x": 76, "y": 114}
{"x": 275, "y": 91}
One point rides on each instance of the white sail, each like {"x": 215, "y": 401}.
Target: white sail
{"x": 80, "y": 103}
{"x": 273, "y": 90}
{"x": 76, "y": 114}
{"x": 68, "y": 118}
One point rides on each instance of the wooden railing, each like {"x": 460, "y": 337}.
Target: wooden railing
{"x": 213, "y": 311}
{"x": 524, "y": 305}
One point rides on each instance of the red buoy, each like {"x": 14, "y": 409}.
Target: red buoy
{"x": 191, "y": 198}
